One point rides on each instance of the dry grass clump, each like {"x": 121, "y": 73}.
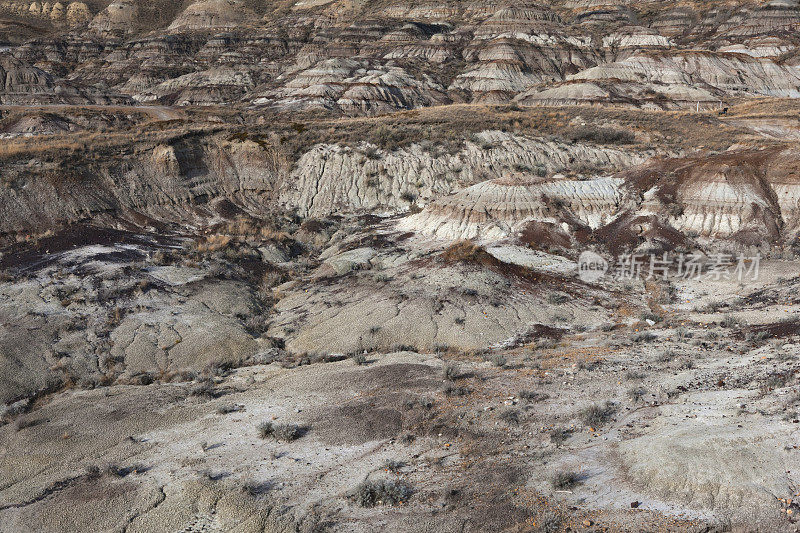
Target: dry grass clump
{"x": 243, "y": 227}
{"x": 602, "y": 135}
{"x": 213, "y": 243}
{"x": 464, "y": 252}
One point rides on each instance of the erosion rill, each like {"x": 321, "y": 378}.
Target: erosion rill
{"x": 399, "y": 266}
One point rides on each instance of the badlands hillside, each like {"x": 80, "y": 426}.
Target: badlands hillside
{"x": 360, "y": 265}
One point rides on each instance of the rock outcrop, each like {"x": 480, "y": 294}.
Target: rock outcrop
{"x": 677, "y": 79}
{"x": 213, "y": 15}
{"x": 750, "y": 197}
{"x": 356, "y": 87}
{"x": 117, "y": 18}
{"x": 747, "y": 199}
{"x": 78, "y": 14}
{"x": 330, "y": 179}
{"x": 506, "y": 208}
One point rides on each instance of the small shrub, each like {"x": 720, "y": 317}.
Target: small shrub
{"x": 601, "y": 135}
{"x": 381, "y": 492}
{"x": 282, "y": 432}
{"x": 651, "y": 316}
{"x": 451, "y": 372}
{"x": 404, "y": 348}
{"x": 122, "y": 471}
{"x": 499, "y": 360}
{"x": 588, "y": 365}
{"x": 757, "y": 338}
{"x": 557, "y": 298}
{"x": 729, "y": 321}
{"x": 667, "y": 356}
{"x": 635, "y": 375}
{"x": 287, "y": 432}
{"x": 546, "y": 344}
{"x": 393, "y": 465}
{"x": 360, "y": 359}
{"x": 453, "y": 390}
{"x": 229, "y": 408}
{"x": 643, "y": 336}
{"x": 775, "y": 381}
{"x": 254, "y": 488}
{"x": 265, "y": 429}
{"x": 547, "y": 521}
{"x": 204, "y": 387}
{"x": 564, "y": 479}
{"x": 596, "y": 415}
{"x": 636, "y": 394}
{"x": 682, "y": 334}
{"x": 512, "y": 417}
{"x": 463, "y": 251}
{"x": 532, "y": 396}
{"x": 559, "y": 436}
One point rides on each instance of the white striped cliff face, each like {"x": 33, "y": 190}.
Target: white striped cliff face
{"x": 672, "y": 79}
{"x": 744, "y": 198}
{"x": 330, "y": 178}
{"x": 501, "y": 209}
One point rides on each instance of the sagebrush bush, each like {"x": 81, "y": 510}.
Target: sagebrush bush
{"x": 381, "y": 492}
{"x": 451, "y": 372}
{"x": 557, "y": 298}
{"x": 564, "y": 479}
{"x": 393, "y": 465}
{"x": 643, "y": 336}
{"x": 512, "y": 417}
{"x": 452, "y": 390}
{"x": 559, "y": 436}
{"x": 596, "y": 414}
{"x": 499, "y": 360}
{"x": 282, "y": 432}
{"x": 532, "y": 396}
